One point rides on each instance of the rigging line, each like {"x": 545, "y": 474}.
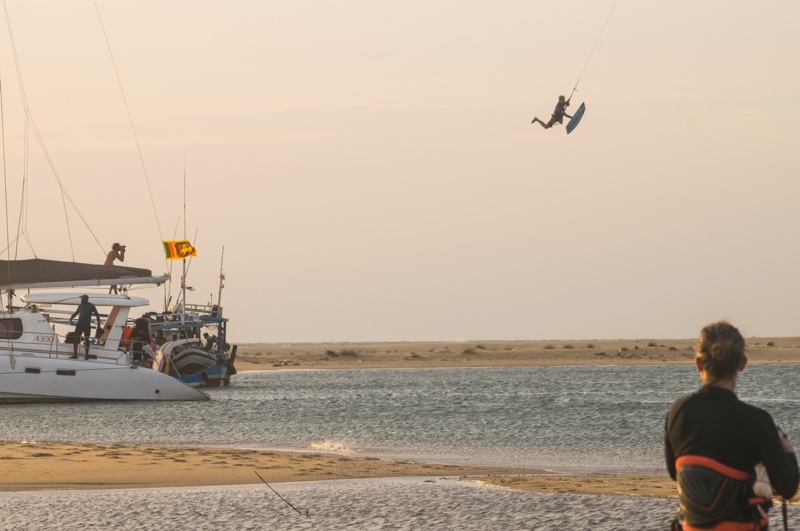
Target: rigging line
{"x": 61, "y": 186}
{"x": 22, "y": 223}
{"x": 69, "y": 232}
{"x": 23, "y": 218}
{"x": 575, "y": 88}
{"x": 30, "y": 124}
{"x": 130, "y": 119}
{"x": 5, "y": 178}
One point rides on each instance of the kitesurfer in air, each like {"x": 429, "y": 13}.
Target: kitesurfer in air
{"x": 558, "y": 114}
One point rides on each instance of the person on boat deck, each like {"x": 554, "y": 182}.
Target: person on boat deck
{"x": 160, "y": 338}
{"x": 140, "y": 337}
{"x": 713, "y": 443}
{"x": 558, "y": 114}
{"x": 210, "y": 340}
{"x": 117, "y": 252}
{"x": 84, "y": 312}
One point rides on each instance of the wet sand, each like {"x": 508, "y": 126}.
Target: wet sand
{"x": 37, "y": 466}
{"x": 40, "y": 466}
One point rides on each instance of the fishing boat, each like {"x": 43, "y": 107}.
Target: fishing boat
{"x": 195, "y": 344}
{"x": 36, "y": 348}
{"x": 194, "y": 339}
{"x": 188, "y": 357}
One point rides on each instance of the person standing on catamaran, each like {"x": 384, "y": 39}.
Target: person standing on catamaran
{"x": 84, "y": 312}
{"x": 117, "y": 252}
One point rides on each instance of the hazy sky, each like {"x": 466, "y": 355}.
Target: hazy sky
{"x": 371, "y": 169}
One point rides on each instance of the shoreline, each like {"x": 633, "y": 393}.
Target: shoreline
{"x": 45, "y": 466}
{"x": 438, "y": 354}
{"x": 34, "y": 466}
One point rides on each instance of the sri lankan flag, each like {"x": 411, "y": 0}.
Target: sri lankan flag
{"x": 177, "y": 250}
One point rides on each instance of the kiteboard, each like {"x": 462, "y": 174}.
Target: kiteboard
{"x": 576, "y": 118}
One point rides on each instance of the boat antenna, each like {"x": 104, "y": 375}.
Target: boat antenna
{"x": 221, "y": 283}
{"x": 186, "y": 268}
{"x": 168, "y": 285}
{"x": 278, "y": 495}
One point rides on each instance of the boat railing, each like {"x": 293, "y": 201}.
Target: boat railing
{"x": 211, "y": 310}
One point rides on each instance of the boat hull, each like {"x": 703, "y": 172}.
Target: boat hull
{"x": 192, "y": 361}
{"x": 25, "y": 379}
{"x": 217, "y": 376}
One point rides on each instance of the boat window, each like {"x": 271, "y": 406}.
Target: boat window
{"x": 33, "y": 370}
{"x": 10, "y": 328}
{"x": 64, "y": 372}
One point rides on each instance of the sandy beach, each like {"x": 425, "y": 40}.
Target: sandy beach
{"x": 40, "y": 466}
{"x": 48, "y": 465}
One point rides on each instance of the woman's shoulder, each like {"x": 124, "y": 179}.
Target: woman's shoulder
{"x": 755, "y": 413}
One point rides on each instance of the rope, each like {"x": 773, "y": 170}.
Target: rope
{"x": 575, "y": 88}
{"x": 130, "y": 119}
{"x": 29, "y": 122}
{"x": 278, "y": 495}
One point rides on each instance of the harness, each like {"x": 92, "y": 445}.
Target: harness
{"x": 716, "y": 497}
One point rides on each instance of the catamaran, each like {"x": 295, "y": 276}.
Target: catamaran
{"x": 35, "y": 357}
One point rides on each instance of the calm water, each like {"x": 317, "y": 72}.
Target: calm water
{"x": 560, "y": 418}
{"x": 573, "y": 419}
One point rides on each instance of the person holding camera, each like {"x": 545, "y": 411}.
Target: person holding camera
{"x": 715, "y": 444}
{"x": 117, "y": 252}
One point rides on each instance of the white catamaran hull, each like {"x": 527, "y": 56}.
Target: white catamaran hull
{"x": 39, "y": 379}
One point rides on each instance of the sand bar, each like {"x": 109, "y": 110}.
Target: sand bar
{"x": 38, "y": 466}
{"x": 497, "y": 354}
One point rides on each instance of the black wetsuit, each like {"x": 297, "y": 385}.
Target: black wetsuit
{"x": 714, "y": 423}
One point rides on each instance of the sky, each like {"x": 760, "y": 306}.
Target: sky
{"x": 371, "y": 170}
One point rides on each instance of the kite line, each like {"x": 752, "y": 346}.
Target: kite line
{"x": 575, "y": 88}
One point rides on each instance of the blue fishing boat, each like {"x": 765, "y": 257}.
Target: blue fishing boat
{"x": 195, "y": 344}
{"x": 193, "y": 338}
